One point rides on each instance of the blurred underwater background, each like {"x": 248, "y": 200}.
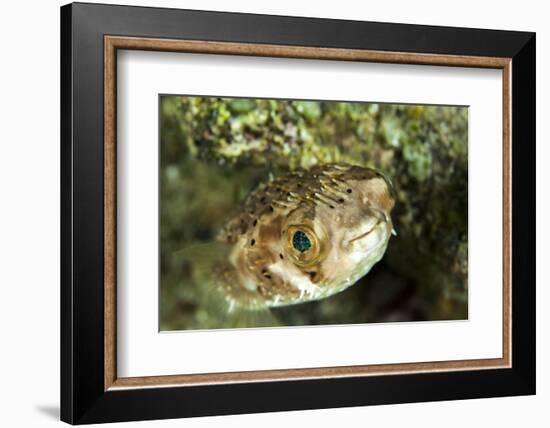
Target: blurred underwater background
{"x": 215, "y": 151}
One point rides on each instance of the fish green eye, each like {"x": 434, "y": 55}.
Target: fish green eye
{"x": 301, "y": 242}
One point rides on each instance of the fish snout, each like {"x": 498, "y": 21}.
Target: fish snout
{"x": 371, "y": 234}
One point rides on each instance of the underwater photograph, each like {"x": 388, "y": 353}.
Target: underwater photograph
{"x": 277, "y": 212}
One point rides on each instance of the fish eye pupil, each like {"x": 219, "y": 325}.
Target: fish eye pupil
{"x": 301, "y": 242}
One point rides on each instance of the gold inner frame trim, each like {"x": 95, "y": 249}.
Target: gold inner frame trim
{"x": 113, "y": 43}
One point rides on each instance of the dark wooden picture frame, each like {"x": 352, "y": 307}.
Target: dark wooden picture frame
{"x": 90, "y": 36}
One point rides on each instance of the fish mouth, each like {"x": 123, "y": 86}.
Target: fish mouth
{"x": 382, "y": 219}
{"x": 367, "y": 233}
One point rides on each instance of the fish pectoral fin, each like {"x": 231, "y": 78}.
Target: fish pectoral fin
{"x": 203, "y": 250}
{"x": 228, "y": 303}
{"x": 208, "y": 263}
{"x": 245, "y": 318}
{"x": 203, "y": 255}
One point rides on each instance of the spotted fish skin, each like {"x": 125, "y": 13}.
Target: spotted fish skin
{"x": 305, "y": 236}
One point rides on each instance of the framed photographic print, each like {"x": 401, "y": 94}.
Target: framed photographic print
{"x": 265, "y": 213}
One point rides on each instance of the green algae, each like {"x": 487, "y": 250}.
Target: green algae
{"x": 214, "y": 151}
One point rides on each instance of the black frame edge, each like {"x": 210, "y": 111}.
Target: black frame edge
{"x": 304, "y": 31}
{"x": 524, "y": 213}
{"x": 66, "y": 316}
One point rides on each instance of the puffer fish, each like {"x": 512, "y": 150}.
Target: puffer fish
{"x": 304, "y": 236}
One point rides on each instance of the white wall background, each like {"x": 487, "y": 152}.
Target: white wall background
{"x": 29, "y": 213}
